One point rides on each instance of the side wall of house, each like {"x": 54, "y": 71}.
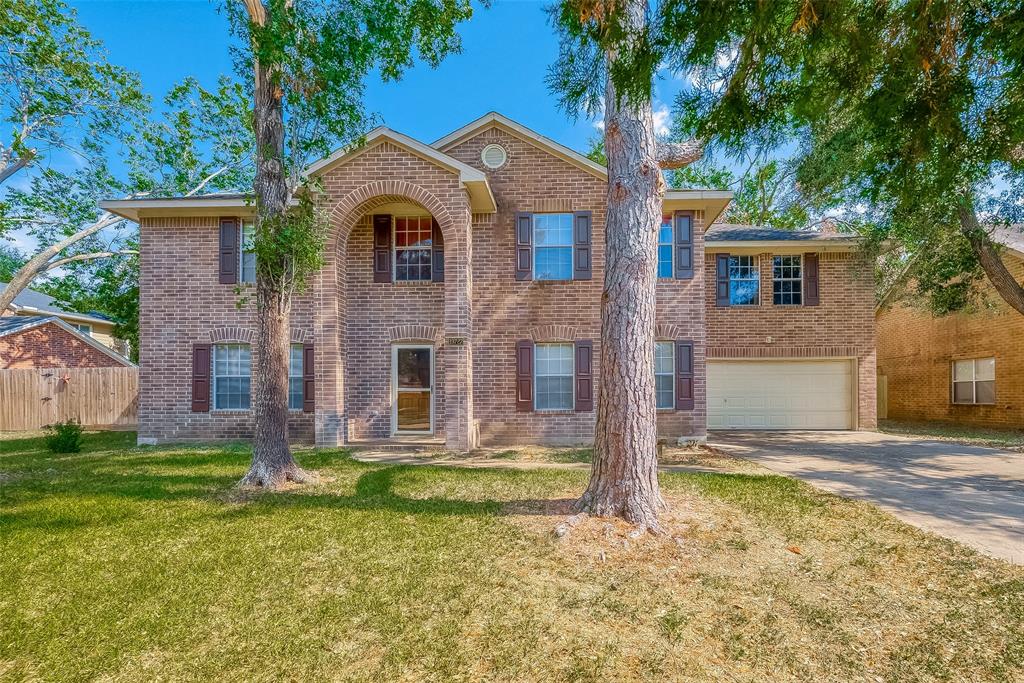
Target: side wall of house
{"x": 841, "y": 326}
{"x": 49, "y": 346}
{"x": 916, "y": 352}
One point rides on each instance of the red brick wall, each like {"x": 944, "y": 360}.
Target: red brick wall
{"x": 841, "y": 326}
{"x": 50, "y": 346}
{"x": 916, "y": 351}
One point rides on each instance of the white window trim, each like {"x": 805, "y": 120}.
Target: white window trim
{"x": 394, "y": 388}
{"x": 799, "y": 280}
{"x": 755, "y": 260}
{"x": 290, "y": 377}
{"x": 242, "y": 252}
{"x": 395, "y": 248}
{"x": 84, "y": 328}
{"x": 214, "y": 378}
{"x": 536, "y": 247}
{"x": 672, "y": 374}
{"x": 672, "y": 245}
{"x": 974, "y": 382}
{"x": 572, "y": 376}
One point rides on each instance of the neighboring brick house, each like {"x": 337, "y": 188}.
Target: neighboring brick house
{"x": 50, "y": 342}
{"x": 33, "y": 303}
{"x": 459, "y": 300}
{"x": 966, "y": 367}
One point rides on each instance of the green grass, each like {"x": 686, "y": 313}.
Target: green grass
{"x": 1012, "y": 439}
{"x": 121, "y": 563}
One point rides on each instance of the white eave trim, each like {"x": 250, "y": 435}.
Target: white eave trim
{"x": 814, "y": 245}
{"x": 132, "y": 208}
{"x": 698, "y": 195}
{"x": 98, "y": 345}
{"x": 494, "y": 118}
{"x": 31, "y": 310}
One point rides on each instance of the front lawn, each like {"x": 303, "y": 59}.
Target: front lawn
{"x": 1009, "y": 439}
{"x": 128, "y": 564}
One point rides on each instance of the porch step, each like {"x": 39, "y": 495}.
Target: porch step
{"x": 400, "y": 443}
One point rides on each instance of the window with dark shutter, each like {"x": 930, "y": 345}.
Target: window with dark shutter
{"x": 684, "y": 244}
{"x": 308, "y": 379}
{"x": 524, "y": 246}
{"x": 582, "y": 252}
{"x": 228, "y": 251}
{"x": 382, "y": 248}
{"x": 684, "y": 375}
{"x": 437, "y": 254}
{"x": 722, "y": 280}
{"x": 524, "y": 376}
{"x": 201, "y": 368}
{"x": 584, "y": 375}
{"x": 811, "y": 287}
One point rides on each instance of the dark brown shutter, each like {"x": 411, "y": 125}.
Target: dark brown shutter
{"x": 308, "y": 379}
{"x": 228, "y": 251}
{"x": 201, "y": 368}
{"x": 524, "y": 246}
{"x": 584, "y": 376}
{"x": 684, "y": 375}
{"x": 436, "y": 254}
{"x": 684, "y": 245}
{"x": 583, "y": 268}
{"x": 382, "y": 248}
{"x": 722, "y": 280}
{"x": 811, "y": 288}
{"x": 524, "y": 376}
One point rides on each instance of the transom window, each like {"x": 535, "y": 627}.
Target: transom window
{"x": 552, "y": 233}
{"x": 744, "y": 281}
{"x": 974, "y": 381}
{"x": 665, "y": 246}
{"x": 787, "y": 280}
{"x": 664, "y": 374}
{"x": 295, "y": 378}
{"x": 413, "y": 241}
{"x": 247, "y": 257}
{"x": 554, "y": 372}
{"x": 232, "y": 365}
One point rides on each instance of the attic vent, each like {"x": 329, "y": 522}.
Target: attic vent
{"x": 494, "y": 156}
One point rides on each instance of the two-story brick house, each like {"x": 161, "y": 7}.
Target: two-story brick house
{"x": 460, "y": 300}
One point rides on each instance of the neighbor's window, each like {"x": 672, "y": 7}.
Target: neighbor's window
{"x": 231, "y": 369}
{"x": 413, "y": 241}
{"x": 247, "y": 259}
{"x": 555, "y": 369}
{"x": 295, "y": 378}
{"x": 787, "y": 281}
{"x": 84, "y": 328}
{"x": 552, "y": 233}
{"x": 744, "y": 281}
{"x": 974, "y": 381}
{"x": 665, "y": 246}
{"x": 664, "y": 374}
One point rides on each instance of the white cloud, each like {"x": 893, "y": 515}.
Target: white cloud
{"x": 661, "y": 119}
{"x": 599, "y": 124}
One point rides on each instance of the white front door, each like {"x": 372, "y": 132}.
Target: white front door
{"x": 412, "y": 389}
{"x": 814, "y": 394}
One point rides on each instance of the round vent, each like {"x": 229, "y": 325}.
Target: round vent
{"x": 494, "y": 156}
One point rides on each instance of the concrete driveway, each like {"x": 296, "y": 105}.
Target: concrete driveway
{"x": 972, "y": 494}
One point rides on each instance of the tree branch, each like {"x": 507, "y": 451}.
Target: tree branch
{"x": 988, "y": 256}
{"x": 53, "y": 265}
{"x": 205, "y": 181}
{"x": 679, "y": 154}
{"x": 19, "y": 163}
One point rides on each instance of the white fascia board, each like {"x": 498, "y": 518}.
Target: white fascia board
{"x": 132, "y": 209}
{"x": 32, "y": 310}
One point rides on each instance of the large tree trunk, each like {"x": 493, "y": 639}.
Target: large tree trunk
{"x": 988, "y": 255}
{"x": 624, "y": 475}
{"x": 272, "y": 462}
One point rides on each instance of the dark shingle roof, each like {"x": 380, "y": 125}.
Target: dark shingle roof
{"x": 16, "y": 323}
{"x": 731, "y": 232}
{"x": 31, "y": 299}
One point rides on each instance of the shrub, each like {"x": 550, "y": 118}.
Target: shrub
{"x": 64, "y": 437}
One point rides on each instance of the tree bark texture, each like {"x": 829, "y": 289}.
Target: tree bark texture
{"x": 988, "y": 255}
{"x": 272, "y": 462}
{"x": 624, "y": 474}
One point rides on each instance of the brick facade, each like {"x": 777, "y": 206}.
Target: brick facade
{"x": 50, "y": 346}
{"x": 916, "y": 351}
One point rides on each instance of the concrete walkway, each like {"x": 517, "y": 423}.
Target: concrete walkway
{"x": 972, "y": 494}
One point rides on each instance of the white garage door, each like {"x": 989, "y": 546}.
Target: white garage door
{"x": 780, "y": 395}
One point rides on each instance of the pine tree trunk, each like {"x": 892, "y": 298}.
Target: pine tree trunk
{"x": 624, "y": 475}
{"x": 272, "y": 462}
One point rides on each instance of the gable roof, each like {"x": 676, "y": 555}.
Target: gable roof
{"x": 475, "y": 180}
{"x": 9, "y": 324}
{"x": 30, "y": 300}
{"x": 495, "y": 120}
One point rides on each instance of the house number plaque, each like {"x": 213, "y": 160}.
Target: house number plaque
{"x": 454, "y": 341}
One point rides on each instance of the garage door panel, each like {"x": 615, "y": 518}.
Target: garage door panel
{"x": 780, "y": 395}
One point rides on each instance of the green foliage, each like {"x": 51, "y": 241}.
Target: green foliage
{"x": 64, "y": 437}
{"x": 10, "y": 261}
{"x": 596, "y": 151}
{"x": 289, "y": 248}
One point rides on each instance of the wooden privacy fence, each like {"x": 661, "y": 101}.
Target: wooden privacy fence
{"x": 96, "y": 397}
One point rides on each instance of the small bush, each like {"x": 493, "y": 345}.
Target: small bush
{"x": 64, "y": 437}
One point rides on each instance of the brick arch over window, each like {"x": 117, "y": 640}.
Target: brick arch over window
{"x": 219, "y": 335}
{"x": 353, "y": 206}
{"x": 665, "y": 331}
{"x": 553, "y": 333}
{"x": 401, "y": 333}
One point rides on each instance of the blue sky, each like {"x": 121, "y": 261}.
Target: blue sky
{"x": 506, "y": 52}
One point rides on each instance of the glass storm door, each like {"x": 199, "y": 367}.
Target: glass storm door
{"x": 413, "y": 399}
